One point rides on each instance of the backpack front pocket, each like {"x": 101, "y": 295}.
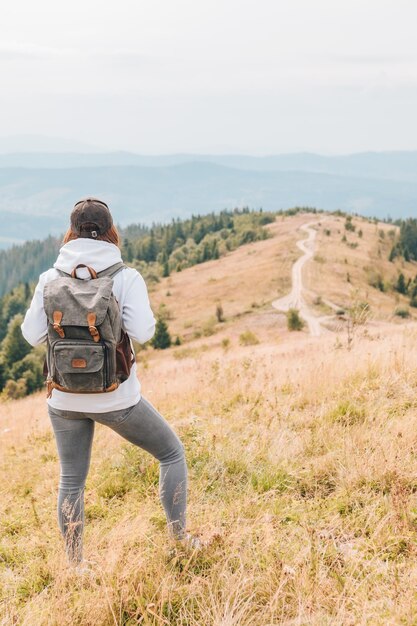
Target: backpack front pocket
{"x": 80, "y": 365}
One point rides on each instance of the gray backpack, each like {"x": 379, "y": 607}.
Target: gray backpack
{"x": 87, "y": 349}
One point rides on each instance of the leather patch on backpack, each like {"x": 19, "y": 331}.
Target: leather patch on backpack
{"x": 79, "y": 363}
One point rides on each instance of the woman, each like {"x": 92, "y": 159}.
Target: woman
{"x": 93, "y": 240}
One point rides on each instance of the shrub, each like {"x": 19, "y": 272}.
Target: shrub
{"x": 219, "y": 312}
{"x": 15, "y": 389}
{"x": 248, "y": 338}
{"x": 294, "y": 321}
{"x": 376, "y": 280}
{"x": 164, "y": 312}
{"x": 348, "y": 224}
{"x": 161, "y": 338}
{"x": 30, "y": 369}
{"x": 247, "y": 236}
{"x": 225, "y": 343}
{"x": 395, "y": 251}
{"x": 359, "y": 313}
{"x": 266, "y": 219}
{"x": 402, "y": 312}
{"x": 412, "y": 290}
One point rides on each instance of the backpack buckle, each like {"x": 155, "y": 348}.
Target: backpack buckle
{"x": 91, "y": 319}
{"x": 57, "y": 317}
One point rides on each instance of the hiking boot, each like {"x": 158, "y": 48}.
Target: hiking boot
{"x": 191, "y": 542}
{"x": 84, "y": 569}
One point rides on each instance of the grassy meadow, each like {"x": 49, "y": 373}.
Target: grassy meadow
{"x": 302, "y": 458}
{"x": 346, "y": 272}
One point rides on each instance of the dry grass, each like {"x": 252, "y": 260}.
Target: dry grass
{"x": 302, "y": 478}
{"x": 343, "y": 274}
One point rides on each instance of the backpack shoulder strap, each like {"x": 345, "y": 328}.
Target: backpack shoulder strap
{"x": 112, "y": 270}
{"x": 109, "y": 271}
{"x": 61, "y": 272}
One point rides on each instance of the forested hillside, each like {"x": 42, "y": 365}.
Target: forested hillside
{"x": 406, "y": 245}
{"x": 172, "y": 246}
{"x": 24, "y": 263}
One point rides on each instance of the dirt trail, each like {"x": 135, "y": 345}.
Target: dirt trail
{"x": 317, "y": 324}
{"x": 295, "y": 298}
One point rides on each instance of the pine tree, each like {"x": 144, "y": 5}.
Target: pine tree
{"x": 14, "y": 347}
{"x": 165, "y": 264}
{"x": 127, "y": 250}
{"x": 206, "y": 252}
{"x": 161, "y": 338}
{"x": 27, "y": 292}
{"x": 413, "y": 294}
{"x": 219, "y": 312}
{"x": 401, "y": 286}
{"x": 152, "y": 248}
{"x": 393, "y": 253}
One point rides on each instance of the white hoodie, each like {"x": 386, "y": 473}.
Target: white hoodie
{"x": 138, "y": 320}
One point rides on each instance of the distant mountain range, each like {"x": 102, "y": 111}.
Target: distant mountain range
{"x": 38, "y": 189}
{"x": 400, "y": 166}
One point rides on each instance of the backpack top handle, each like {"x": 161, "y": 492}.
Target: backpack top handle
{"x": 93, "y": 273}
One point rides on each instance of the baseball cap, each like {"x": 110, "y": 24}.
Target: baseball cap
{"x": 90, "y": 218}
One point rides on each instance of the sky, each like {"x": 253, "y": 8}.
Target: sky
{"x": 220, "y": 76}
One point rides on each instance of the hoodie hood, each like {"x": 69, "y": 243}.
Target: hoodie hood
{"x": 96, "y": 254}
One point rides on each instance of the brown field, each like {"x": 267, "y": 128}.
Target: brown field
{"x": 335, "y": 262}
{"x": 301, "y": 455}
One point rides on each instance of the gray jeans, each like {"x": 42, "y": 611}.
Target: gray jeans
{"x": 143, "y": 426}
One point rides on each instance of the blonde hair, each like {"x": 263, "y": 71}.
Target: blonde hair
{"x": 111, "y": 236}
